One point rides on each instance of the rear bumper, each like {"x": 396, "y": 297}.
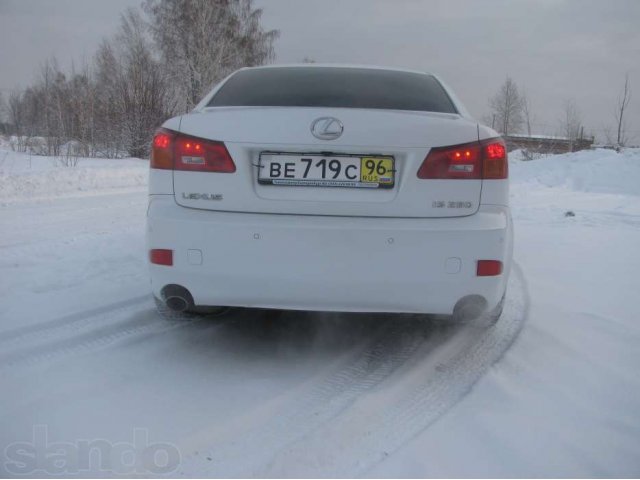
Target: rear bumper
{"x": 329, "y": 263}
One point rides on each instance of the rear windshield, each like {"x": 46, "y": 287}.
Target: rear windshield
{"x": 333, "y": 87}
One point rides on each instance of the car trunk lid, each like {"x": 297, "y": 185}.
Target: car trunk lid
{"x": 406, "y": 136}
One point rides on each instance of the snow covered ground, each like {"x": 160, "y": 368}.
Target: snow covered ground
{"x": 87, "y": 365}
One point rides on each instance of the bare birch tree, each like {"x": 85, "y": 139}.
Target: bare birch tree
{"x": 571, "y": 122}
{"x": 202, "y": 41}
{"x": 142, "y": 88}
{"x": 132, "y": 96}
{"x": 3, "y": 110}
{"x": 621, "y": 108}
{"x": 526, "y": 112}
{"x": 506, "y": 106}
{"x": 108, "y": 138}
{"x": 137, "y": 78}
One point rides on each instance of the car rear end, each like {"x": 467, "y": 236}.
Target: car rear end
{"x": 329, "y": 188}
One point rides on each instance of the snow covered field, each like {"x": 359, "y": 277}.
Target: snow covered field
{"x": 86, "y": 363}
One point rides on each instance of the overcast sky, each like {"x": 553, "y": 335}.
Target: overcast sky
{"x": 554, "y": 49}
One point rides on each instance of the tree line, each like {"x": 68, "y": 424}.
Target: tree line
{"x": 511, "y": 113}
{"x": 162, "y": 60}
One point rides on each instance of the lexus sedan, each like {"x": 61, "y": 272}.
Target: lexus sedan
{"x": 333, "y": 188}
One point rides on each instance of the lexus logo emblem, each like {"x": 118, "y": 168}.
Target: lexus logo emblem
{"x": 327, "y": 128}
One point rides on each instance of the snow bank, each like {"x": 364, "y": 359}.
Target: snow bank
{"x": 592, "y": 171}
{"x": 24, "y": 176}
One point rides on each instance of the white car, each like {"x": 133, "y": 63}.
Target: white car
{"x": 333, "y": 188}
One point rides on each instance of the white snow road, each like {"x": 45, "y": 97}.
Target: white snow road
{"x": 364, "y": 378}
{"x": 410, "y": 373}
{"x": 86, "y": 359}
{"x": 84, "y": 354}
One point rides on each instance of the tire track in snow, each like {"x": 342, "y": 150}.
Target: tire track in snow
{"x": 396, "y": 341}
{"x": 380, "y": 423}
{"x": 84, "y": 332}
{"x": 68, "y": 322}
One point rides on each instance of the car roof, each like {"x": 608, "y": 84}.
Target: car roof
{"x": 336, "y": 65}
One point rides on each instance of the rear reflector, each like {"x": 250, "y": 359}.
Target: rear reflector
{"x": 174, "y": 151}
{"x": 476, "y": 160}
{"x": 159, "y": 256}
{"x": 489, "y": 268}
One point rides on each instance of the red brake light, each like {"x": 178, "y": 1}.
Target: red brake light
{"x": 174, "y": 151}
{"x": 162, "y": 150}
{"x": 496, "y": 164}
{"x": 463, "y": 154}
{"x": 495, "y": 150}
{"x": 477, "y": 160}
{"x": 161, "y": 256}
{"x": 161, "y": 140}
{"x": 488, "y": 268}
{"x": 202, "y": 155}
{"x": 458, "y": 161}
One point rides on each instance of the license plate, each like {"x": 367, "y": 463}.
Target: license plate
{"x": 358, "y": 171}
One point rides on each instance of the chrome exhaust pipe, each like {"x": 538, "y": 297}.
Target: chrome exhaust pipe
{"x": 177, "y": 304}
{"x": 177, "y": 298}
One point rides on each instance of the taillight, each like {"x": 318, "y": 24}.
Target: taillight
{"x": 476, "y": 160}
{"x": 181, "y": 152}
{"x": 162, "y": 150}
{"x": 488, "y": 268}
{"x": 495, "y": 164}
{"x": 459, "y": 161}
